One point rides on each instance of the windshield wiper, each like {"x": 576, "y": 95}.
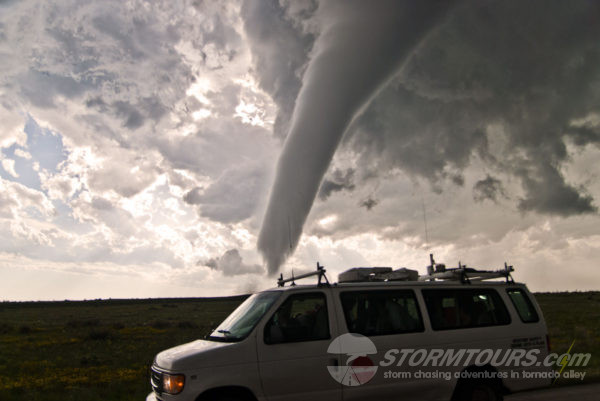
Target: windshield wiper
{"x": 224, "y": 332}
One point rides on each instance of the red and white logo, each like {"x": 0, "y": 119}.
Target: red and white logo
{"x": 358, "y": 368}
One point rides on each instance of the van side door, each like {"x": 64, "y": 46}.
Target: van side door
{"x": 292, "y": 347}
{"x": 392, "y": 320}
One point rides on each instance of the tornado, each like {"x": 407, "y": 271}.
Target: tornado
{"x": 360, "y": 47}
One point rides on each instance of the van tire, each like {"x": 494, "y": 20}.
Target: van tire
{"x": 478, "y": 391}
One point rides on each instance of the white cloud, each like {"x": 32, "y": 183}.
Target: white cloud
{"x": 12, "y": 125}
{"x": 25, "y": 199}
{"x": 231, "y": 264}
{"x": 22, "y": 154}
{"x": 9, "y": 166}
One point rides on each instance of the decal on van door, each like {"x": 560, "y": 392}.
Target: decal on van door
{"x": 358, "y": 367}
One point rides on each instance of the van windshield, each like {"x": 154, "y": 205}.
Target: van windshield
{"x": 240, "y": 323}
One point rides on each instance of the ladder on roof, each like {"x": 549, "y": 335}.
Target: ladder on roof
{"x": 320, "y": 272}
{"x": 464, "y": 274}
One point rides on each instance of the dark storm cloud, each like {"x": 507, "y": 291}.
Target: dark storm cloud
{"x": 495, "y": 72}
{"x": 41, "y": 87}
{"x": 369, "y": 203}
{"x": 137, "y": 39}
{"x": 547, "y": 192}
{"x": 280, "y": 48}
{"x": 231, "y": 198}
{"x": 193, "y": 197}
{"x": 423, "y": 137}
{"x": 131, "y": 116}
{"x": 584, "y": 135}
{"x": 338, "y": 181}
{"x": 6, "y": 2}
{"x": 489, "y": 188}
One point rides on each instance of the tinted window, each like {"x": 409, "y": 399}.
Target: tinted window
{"x": 375, "y": 313}
{"x": 302, "y": 317}
{"x": 523, "y": 305}
{"x": 463, "y": 308}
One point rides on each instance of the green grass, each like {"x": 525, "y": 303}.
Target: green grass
{"x": 101, "y": 350}
{"x": 574, "y": 318}
{"x": 95, "y": 350}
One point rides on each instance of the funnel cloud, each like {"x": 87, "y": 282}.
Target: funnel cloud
{"x": 360, "y": 46}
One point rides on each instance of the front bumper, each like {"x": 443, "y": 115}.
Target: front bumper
{"x": 151, "y": 397}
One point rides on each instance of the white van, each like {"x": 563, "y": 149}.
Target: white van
{"x": 377, "y": 334}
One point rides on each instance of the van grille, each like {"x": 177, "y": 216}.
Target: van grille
{"x": 156, "y": 381}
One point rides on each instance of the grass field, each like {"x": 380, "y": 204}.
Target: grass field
{"x": 101, "y": 350}
{"x": 95, "y": 350}
{"x": 574, "y": 318}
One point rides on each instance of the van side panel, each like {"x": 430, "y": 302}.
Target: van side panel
{"x": 390, "y": 381}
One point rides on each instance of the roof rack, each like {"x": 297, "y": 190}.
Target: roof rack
{"x": 320, "y": 272}
{"x": 435, "y": 272}
{"x": 464, "y": 274}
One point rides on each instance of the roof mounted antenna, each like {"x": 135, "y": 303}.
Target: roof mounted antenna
{"x": 507, "y": 271}
{"x": 425, "y": 220}
{"x": 431, "y": 267}
{"x": 290, "y": 234}
{"x": 290, "y": 239}
{"x": 321, "y": 270}
{"x": 434, "y": 268}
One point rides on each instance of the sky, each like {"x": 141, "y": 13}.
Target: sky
{"x": 200, "y": 148}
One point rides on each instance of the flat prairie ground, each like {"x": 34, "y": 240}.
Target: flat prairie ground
{"x": 101, "y": 350}
{"x": 95, "y": 350}
{"x": 573, "y": 318}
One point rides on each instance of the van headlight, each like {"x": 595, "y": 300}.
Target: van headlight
{"x": 172, "y": 384}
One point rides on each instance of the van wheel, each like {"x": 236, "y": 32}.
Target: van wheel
{"x": 479, "y": 391}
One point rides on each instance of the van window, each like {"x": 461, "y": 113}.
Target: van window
{"x": 302, "y": 317}
{"x": 523, "y": 305}
{"x": 242, "y": 321}
{"x": 377, "y": 313}
{"x": 464, "y": 308}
